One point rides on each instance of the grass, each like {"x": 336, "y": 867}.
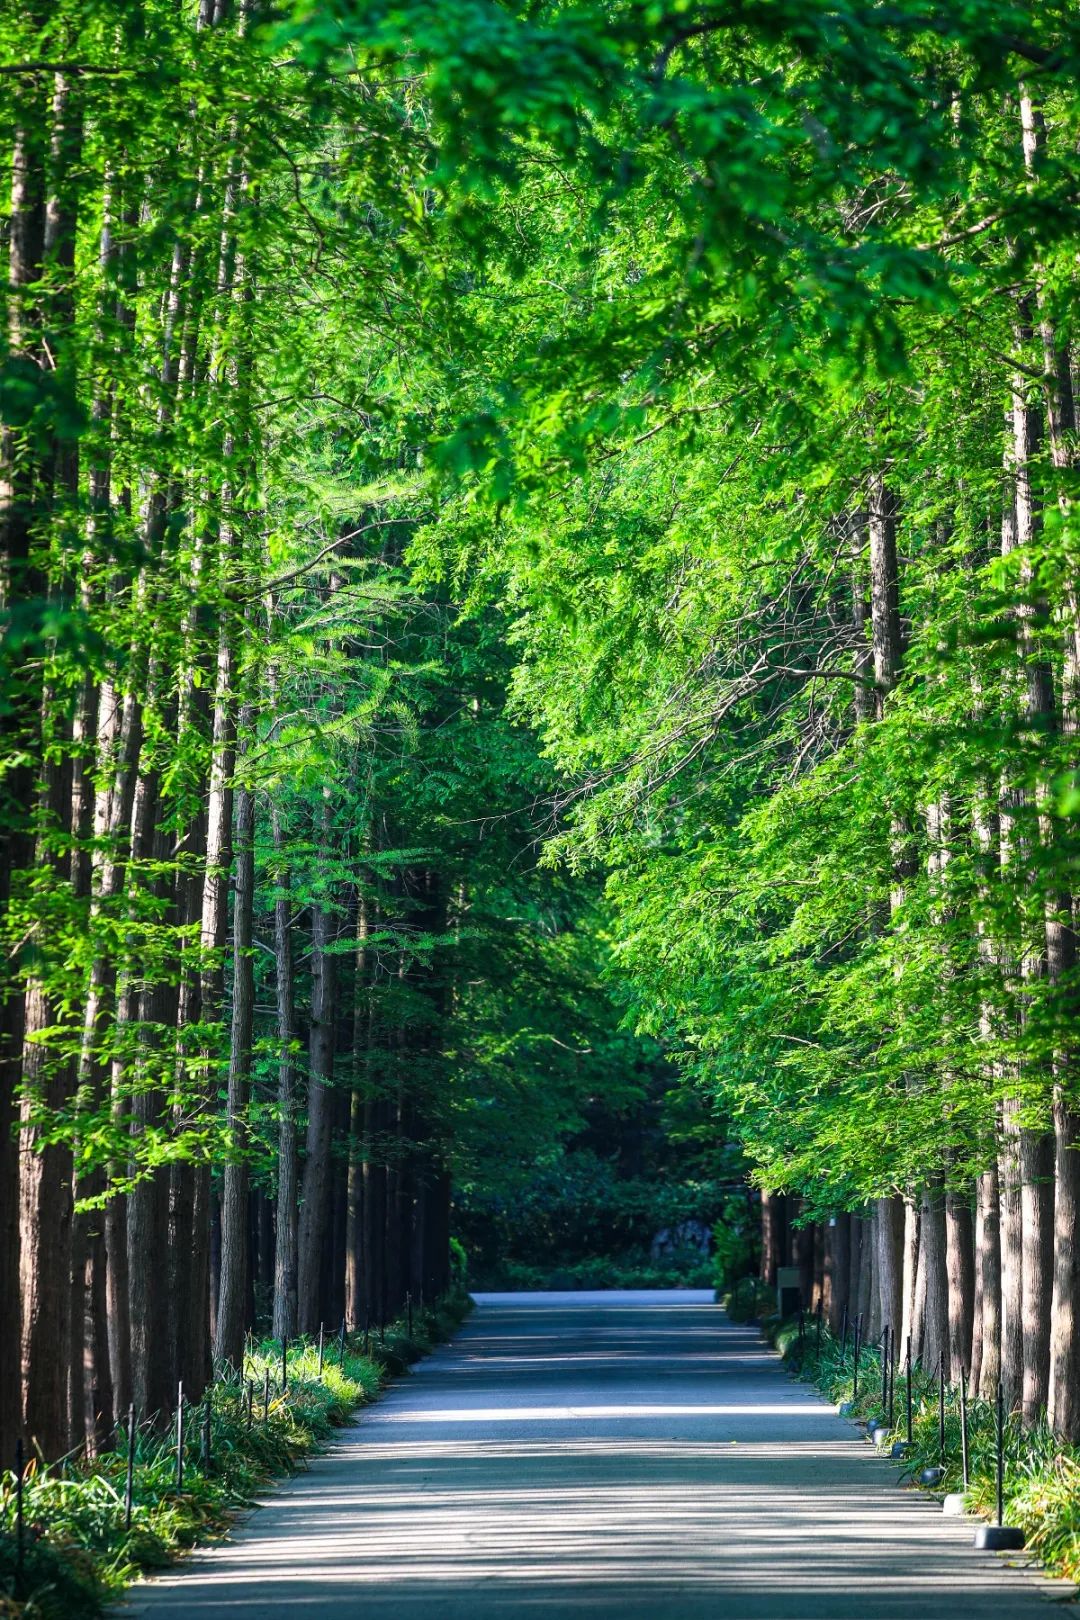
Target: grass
{"x": 78, "y": 1553}
{"x": 1042, "y": 1477}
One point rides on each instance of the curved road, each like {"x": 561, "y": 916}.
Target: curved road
{"x": 604, "y": 1456}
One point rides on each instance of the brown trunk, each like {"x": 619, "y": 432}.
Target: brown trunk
{"x": 986, "y": 1341}
{"x": 1012, "y": 1316}
{"x": 960, "y": 1262}
{"x": 314, "y": 1209}
{"x": 837, "y": 1268}
{"x": 233, "y": 1289}
{"x": 890, "y": 1267}
{"x": 285, "y": 1256}
{"x": 910, "y": 1280}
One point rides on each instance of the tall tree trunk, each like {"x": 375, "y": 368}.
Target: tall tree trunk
{"x": 960, "y": 1259}
{"x": 986, "y": 1340}
{"x": 314, "y": 1209}
{"x": 285, "y": 1252}
{"x": 232, "y": 1298}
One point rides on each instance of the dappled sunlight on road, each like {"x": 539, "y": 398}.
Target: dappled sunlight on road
{"x": 536, "y": 1470}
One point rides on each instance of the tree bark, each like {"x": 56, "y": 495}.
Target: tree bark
{"x": 232, "y": 1296}
{"x": 960, "y": 1259}
{"x": 314, "y": 1209}
{"x": 285, "y": 1251}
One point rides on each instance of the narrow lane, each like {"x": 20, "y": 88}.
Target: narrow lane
{"x": 611, "y": 1456}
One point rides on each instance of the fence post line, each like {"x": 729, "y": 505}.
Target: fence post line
{"x": 321, "y": 1334}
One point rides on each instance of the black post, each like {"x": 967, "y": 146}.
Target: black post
{"x": 855, "y": 1372}
{"x": 180, "y": 1436}
{"x": 884, "y": 1371}
{"x": 320, "y": 1348}
{"x": 908, "y": 1381}
{"x": 963, "y": 1425}
{"x": 802, "y": 1315}
{"x": 341, "y": 1347}
{"x": 130, "y": 1481}
{"x": 266, "y": 1395}
{"x": 817, "y": 1345}
{"x": 843, "y": 1337}
{"x": 408, "y": 1312}
{"x": 20, "y": 1527}
{"x": 891, "y": 1413}
{"x": 367, "y": 1330}
{"x": 941, "y": 1408}
{"x": 250, "y": 1400}
{"x": 206, "y": 1457}
{"x": 1000, "y": 1455}
{"x": 284, "y": 1364}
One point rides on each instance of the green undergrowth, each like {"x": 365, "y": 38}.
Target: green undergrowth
{"x": 1042, "y": 1476}
{"x": 600, "y": 1272}
{"x": 78, "y": 1553}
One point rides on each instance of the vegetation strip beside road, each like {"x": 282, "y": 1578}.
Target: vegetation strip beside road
{"x": 78, "y": 1553}
{"x": 1042, "y": 1476}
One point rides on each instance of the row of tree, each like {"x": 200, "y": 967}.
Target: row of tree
{"x": 784, "y": 455}
{"x": 276, "y": 956}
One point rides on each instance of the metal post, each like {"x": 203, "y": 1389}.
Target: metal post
{"x": 843, "y": 1337}
{"x": 855, "y": 1372}
{"x": 206, "y": 1457}
{"x": 20, "y": 1528}
{"x": 817, "y": 1345}
{"x": 250, "y": 1400}
{"x": 963, "y": 1425}
{"x": 884, "y": 1370}
{"x": 266, "y": 1395}
{"x": 941, "y": 1407}
{"x": 802, "y": 1315}
{"x": 890, "y": 1415}
{"x": 130, "y": 1481}
{"x": 180, "y": 1436}
{"x": 284, "y": 1364}
{"x": 1001, "y": 1455}
{"x": 408, "y": 1312}
{"x": 320, "y": 1349}
{"x": 341, "y": 1350}
{"x": 908, "y": 1382}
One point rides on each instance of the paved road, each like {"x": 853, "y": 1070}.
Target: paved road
{"x": 604, "y": 1457}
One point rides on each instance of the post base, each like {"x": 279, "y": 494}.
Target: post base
{"x": 932, "y": 1476}
{"x": 999, "y": 1538}
{"x": 880, "y": 1434}
{"x": 900, "y": 1450}
{"x": 955, "y": 1505}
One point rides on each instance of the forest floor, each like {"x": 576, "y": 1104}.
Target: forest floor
{"x": 626, "y": 1455}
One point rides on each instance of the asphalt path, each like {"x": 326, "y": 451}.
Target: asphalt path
{"x": 614, "y": 1456}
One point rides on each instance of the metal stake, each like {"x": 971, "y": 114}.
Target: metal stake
{"x": 320, "y": 1348}
{"x": 843, "y": 1337}
{"x": 20, "y": 1528}
{"x": 884, "y": 1370}
{"x": 180, "y": 1436}
{"x": 129, "y": 1483}
{"x": 250, "y": 1400}
{"x": 284, "y": 1364}
{"x": 341, "y": 1349}
{"x": 206, "y": 1457}
{"x": 408, "y": 1312}
{"x": 266, "y": 1395}
{"x": 817, "y": 1345}
{"x": 1000, "y": 1454}
{"x": 963, "y": 1425}
{"x": 908, "y": 1382}
{"x": 941, "y": 1407}
{"x": 858, "y": 1346}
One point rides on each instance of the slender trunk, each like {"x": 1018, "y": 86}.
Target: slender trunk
{"x": 232, "y": 1297}
{"x": 960, "y": 1263}
{"x": 285, "y": 1252}
{"x": 986, "y": 1342}
{"x": 314, "y": 1209}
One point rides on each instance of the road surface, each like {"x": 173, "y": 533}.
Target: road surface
{"x": 620, "y": 1456}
